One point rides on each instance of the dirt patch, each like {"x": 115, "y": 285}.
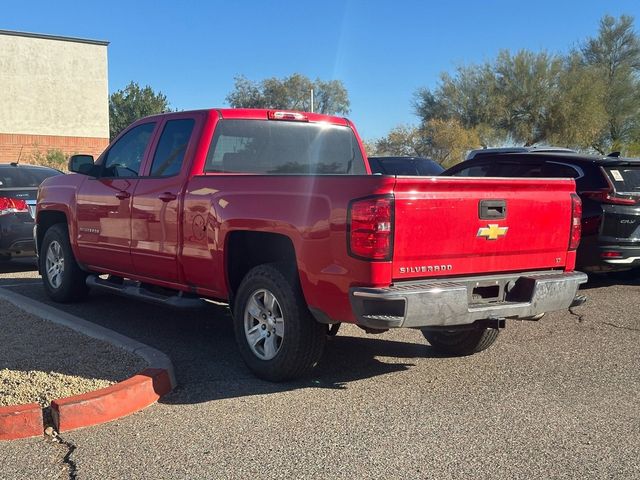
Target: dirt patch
{"x": 41, "y": 361}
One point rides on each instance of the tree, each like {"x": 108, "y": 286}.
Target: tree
{"x": 131, "y": 103}
{"x": 615, "y": 55}
{"x": 290, "y": 93}
{"x": 445, "y": 141}
{"x": 403, "y": 141}
{"x": 578, "y": 118}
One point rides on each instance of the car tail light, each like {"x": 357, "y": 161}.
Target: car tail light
{"x": 291, "y": 116}
{"x": 370, "y": 224}
{"x": 611, "y": 254}
{"x": 12, "y": 205}
{"x": 576, "y": 222}
{"x": 609, "y": 196}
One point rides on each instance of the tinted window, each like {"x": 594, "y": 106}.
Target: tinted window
{"x": 279, "y": 147}
{"x": 16, "y": 177}
{"x": 560, "y": 170}
{"x": 474, "y": 171}
{"x": 624, "y": 179}
{"x": 516, "y": 170}
{"x": 172, "y": 146}
{"x": 405, "y": 166}
{"x": 125, "y": 156}
{"x": 502, "y": 169}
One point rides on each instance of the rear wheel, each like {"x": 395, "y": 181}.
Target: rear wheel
{"x": 276, "y": 334}
{"x": 460, "y": 343}
{"x": 63, "y": 279}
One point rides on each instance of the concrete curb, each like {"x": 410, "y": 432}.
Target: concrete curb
{"x": 102, "y": 405}
{"x": 20, "y": 421}
{"x": 111, "y": 403}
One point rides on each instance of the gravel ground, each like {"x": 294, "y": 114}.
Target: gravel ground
{"x": 41, "y": 361}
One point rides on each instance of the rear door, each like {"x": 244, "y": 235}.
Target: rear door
{"x": 621, "y": 221}
{"x": 448, "y": 226}
{"x": 156, "y": 211}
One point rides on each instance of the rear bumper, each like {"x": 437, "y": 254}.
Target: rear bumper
{"x": 628, "y": 255}
{"x": 441, "y": 303}
{"x": 16, "y": 235}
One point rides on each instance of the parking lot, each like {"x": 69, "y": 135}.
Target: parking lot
{"x": 556, "y": 398}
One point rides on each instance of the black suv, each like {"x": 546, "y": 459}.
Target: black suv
{"x": 18, "y": 191}
{"x": 608, "y": 186}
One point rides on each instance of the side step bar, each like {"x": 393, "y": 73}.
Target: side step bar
{"x": 132, "y": 289}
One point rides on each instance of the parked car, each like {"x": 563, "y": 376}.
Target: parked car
{"x": 405, "y": 166}
{"x": 18, "y": 190}
{"x": 609, "y": 187}
{"x": 277, "y": 213}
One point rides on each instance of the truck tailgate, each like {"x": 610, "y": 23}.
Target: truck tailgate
{"x": 448, "y": 226}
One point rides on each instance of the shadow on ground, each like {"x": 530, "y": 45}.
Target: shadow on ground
{"x": 18, "y": 265}
{"x": 600, "y": 280}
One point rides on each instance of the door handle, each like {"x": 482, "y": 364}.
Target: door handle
{"x": 123, "y": 195}
{"x": 167, "y": 196}
{"x": 492, "y": 209}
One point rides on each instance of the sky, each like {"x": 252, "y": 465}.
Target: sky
{"x": 382, "y": 51}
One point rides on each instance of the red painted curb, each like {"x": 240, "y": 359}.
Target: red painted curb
{"x": 20, "y": 421}
{"x": 112, "y": 402}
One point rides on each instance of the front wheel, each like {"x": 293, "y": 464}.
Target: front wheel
{"x": 63, "y": 279}
{"x": 460, "y": 343}
{"x": 276, "y": 334}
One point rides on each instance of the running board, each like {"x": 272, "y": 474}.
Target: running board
{"x": 130, "y": 289}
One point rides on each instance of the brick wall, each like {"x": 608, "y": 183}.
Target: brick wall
{"x": 14, "y": 146}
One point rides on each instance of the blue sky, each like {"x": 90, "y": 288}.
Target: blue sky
{"x": 382, "y": 50}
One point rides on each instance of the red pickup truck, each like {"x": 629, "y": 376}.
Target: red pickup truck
{"x": 278, "y": 214}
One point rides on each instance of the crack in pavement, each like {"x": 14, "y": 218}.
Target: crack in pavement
{"x": 66, "y": 460}
{"x": 579, "y": 316}
{"x": 622, "y": 327}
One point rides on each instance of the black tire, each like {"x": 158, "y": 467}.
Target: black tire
{"x": 5, "y": 258}
{"x": 460, "y": 343}
{"x": 70, "y": 285}
{"x": 300, "y": 346}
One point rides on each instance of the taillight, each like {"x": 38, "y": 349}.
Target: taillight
{"x": 611, "y": 254}
{"x": 12, "y": 205}
{"x": 609, "y": 196}
{"x": 291, "y": 116}
{"x": 370, "y": 224}
{"x": 576, "y": 222}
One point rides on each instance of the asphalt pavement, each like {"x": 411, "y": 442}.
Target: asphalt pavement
{"x": 556, "y": 398}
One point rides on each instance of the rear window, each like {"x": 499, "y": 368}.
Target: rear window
{"x": 278, "y": 147}
{"x": 624, "y": 179}
{"x": 19, "y": 177}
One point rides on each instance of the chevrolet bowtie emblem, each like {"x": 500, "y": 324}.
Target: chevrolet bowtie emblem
{"x": 492, "y": 231}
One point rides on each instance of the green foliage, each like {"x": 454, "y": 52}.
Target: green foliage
{"x": 588, "y": 99}
{"x": 615, "y": 55}
{"x": 446, "y": 141}
{"x": 291, "y": 93}
{"x": 54, "y": 158}
{"x": 131, "y": 103}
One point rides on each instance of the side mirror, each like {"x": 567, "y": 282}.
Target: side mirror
{"x": 81, "y": 164}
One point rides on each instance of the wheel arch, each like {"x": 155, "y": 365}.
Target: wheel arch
{"x": 246, "y": 249}
{"x": 47, "y": 219}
